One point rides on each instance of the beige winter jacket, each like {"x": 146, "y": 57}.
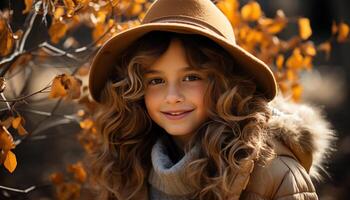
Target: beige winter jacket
{"x": 302, "y": 140}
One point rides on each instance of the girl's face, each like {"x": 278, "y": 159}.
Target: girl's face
{"x": 174, "y": 94}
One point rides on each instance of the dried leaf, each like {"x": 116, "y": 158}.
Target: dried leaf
{"x": 6, "y": 38}
{"x": 28, "y": 8}
{"x": 297, "y": 90}
{"x": 230, "y": 9}
{"x": 343, "y": 32}
{"x": 135, "y": 9}
{"x": 68, "y": 191}
{"x": 280, "y": 61}
{"x": 305, "y": 30}
{"x": 57, "y": 88}
{"x": 66, "y": 86}
{"x": 57, "y": 178}
{"x": 309, "y": 49}
{"x": 326, "y": 47}
{"x": 59, "y": 12}
{"x": 251, "y": 11}
{"x": 295, "y": 61}
{"x": 70, "y": 6}
{"x": 57, "y": 31}
{"x": 86, "y": 124}
{"x": 78, "y": 171}
{"x": 10, "y": 162}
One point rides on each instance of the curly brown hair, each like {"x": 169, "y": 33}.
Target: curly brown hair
{"x": 235, "y": 132}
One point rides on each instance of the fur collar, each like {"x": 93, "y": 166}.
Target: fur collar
{"x": 304, "y": 130}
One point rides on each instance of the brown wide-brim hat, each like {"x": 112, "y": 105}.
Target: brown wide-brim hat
{"x": 200, "y": 17}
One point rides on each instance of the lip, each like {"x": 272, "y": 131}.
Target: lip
{"x": 183, "y": 114}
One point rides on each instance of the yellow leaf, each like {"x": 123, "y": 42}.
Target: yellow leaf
{"x": 10, "y": 161}
{"x": 70, "y": 5}
{"x": 59, "y": 12}
{"x": 295, "y": 61}
{"x": 28, "y": 4}
{"x": 291, "y": 76}
{"x": 305, "y": 30}
{"x": 230, "y": 9}
{"x": 343, "y": 32}
{"x": 86, "y": 124}
{"x": 78, "y": 171}
{"x": 7, "y": 122}
{"x": 309, "y": 49}
{"x": 57, "y": 88}
{"x": 326, "y": 47}
{"x": 280, "y": 61}
{"x": 297, "y": 92}
{"x": 6, "y": 38}
{"x": 57, "y": 178}
{"x": 135, "y": 9}
{"x": 307, "y": 62}
{"x": 66, "y": 86}
{"x": 16, "y": 122}
{"x": 57, "y": 31}
{"x": 251, "y": 11}
{"x": 6, "y": 140}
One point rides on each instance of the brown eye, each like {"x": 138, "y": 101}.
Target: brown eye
{"x": 192, "y": 77}
{"x": 155, "y": 81}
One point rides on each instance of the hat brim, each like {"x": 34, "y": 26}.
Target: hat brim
{"x": 105, "y": 58}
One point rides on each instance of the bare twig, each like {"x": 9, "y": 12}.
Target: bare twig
{"x": 31, "y": 188}
{"x": 27, "y": 96}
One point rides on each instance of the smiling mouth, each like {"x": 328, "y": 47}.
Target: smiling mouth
{"x": 173, "y": 115}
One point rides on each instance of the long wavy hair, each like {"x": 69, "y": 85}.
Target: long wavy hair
{"x": 235, "y": 132}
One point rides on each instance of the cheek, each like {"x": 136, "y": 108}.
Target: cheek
{"x": 152, "y": 99}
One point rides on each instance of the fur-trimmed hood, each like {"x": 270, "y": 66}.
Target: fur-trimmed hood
{"x": 303, "y": 131}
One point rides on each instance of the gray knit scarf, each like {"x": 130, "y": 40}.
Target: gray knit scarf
{"x": 167, "y": 179}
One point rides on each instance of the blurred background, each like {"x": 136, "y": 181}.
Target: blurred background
{"x": 57, "y": 145}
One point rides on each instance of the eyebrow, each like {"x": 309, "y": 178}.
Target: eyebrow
{"x": 153, "y": 71}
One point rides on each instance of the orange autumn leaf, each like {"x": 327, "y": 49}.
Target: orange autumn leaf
{"x": 70, "y": 6}
{"x": 28, "y": 8}
{"x": 78, "y": 171}
{"x": 325, "y": 47}
{"x": 6, "y": 38}
{"x": 309, "y": 49}
{"x": 305, "y": 30}
{"x": 86, "y": 124}
{"x": 343, "y": 32}
{"x": 10, "y": 162}
{"x": 18, "y": 123}
{"x": 251, "y": 11}
{"x": 230, "y": 9}
{"x": 7, "y": 122}
{"x": 57, "y": 88}
{"x": 295, "y": 61}
{"x": 279, "y": 61}
{"x": 135, "y": 9}
{"x": 57, "y": 178}
{"x": 68, "y": 191}
{"x": 57, "y": 31}
{"x": 297, "y": 92}
{"x": 307, "y": 62}
{"x": 59, "y": 12}
{"x": 66, "y": 86}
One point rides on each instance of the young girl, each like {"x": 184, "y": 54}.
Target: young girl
{"x": 185, "y": 113}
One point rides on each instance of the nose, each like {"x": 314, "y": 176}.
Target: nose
{"x": 173, "y": 95}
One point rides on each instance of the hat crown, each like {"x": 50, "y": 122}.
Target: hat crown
{"x": 201, "y": 13}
